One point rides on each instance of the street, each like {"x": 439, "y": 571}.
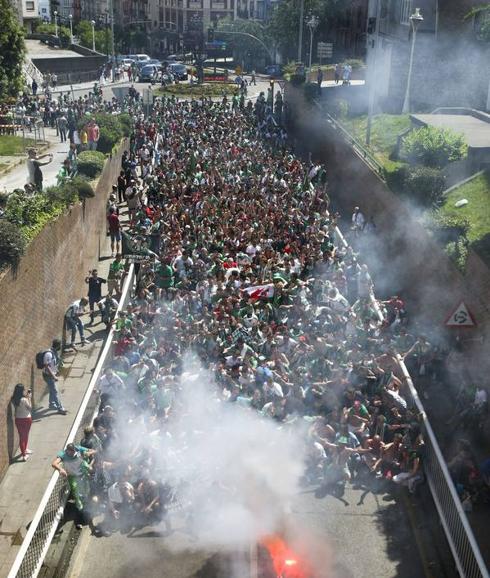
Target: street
{"x": 360, "y": 538}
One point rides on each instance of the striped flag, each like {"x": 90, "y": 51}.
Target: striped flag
{"x": 258, "y": 291}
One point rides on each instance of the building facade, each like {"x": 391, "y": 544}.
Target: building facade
{"x": 27, "y": 12}
{"x": 447, "y": 55}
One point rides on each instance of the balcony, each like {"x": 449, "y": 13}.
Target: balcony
{"x": 194, "y": 5}
{"x": 218, "y": 6}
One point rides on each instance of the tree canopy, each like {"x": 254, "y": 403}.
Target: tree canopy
{"x": 12, "y": 52}
{"x": 246, "y": 48}
{"x": 285, "y": 21}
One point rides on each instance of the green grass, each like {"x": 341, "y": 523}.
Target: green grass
{"x": 14, "y": 145}
{"x": 385, "y": 129}
{"x": 3, "y": 166}
{"x": 477, "y": 191}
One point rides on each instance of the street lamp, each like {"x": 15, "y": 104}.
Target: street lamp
{"x": 55, "y": 14}
{"x": 300, "y": 32}
{"x": 93, "y": 34}
{"x": 71, "y": 28}
{"x": 416, "y": 19}
{"x": 312, "y": 24}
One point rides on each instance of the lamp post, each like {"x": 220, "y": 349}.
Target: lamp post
{"x": 312, "y": 24}
{"x": 93, "y": 34}
{"x": 416, "y": 19}
{"x": 300, "y": 32}
{"x": 55, "y": 14}
{"x": 71, "y": 28}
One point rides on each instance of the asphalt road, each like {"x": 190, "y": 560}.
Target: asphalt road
{"x": 364, "y": 535}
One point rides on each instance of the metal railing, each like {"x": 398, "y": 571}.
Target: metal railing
{"x": 460, "y": 537}
{"x": 42, "y": 529}
{"x": 459, "y": 534}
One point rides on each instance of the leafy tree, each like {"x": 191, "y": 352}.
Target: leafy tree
{"x": 12, "y": 52}
{"x": 285, "y": 22}
{"x": 482, "y": 21}
{"x": 434, "y": 147}
{"x": 245, "y": 48}
{"x": 63, "y": 32}
{"x": 103, "y": 38}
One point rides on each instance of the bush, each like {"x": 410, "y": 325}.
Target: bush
{"x": 126, "y": 123}
{"x": 23, "y": 211}
{"x": 12, "y": 243}
{"x": 425, "y": 185}
{"x": 434, "y": 147}
{"x": 111, "y": 130}
{"x": 396, "y": 178}
{"x": 91, "y": 163}
{"x": 61, "y": 195}
{"x": 79, "y": 187}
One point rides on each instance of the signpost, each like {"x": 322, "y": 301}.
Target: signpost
{"x": 324, "y": 50}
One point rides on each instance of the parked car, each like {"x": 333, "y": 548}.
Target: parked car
{"x": 142, "y": 57}
{"x": 178, "y": 71}
{"x": 274, "y": 70}
{"x": 148, "y": 73}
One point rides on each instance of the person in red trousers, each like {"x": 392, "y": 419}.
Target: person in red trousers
{"x": 21, "y": 400}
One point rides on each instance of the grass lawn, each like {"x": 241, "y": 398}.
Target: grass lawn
{"x": 198, "y": 90}
{"x": 477, "y": 212}
{"x": 385, "y": 129}
{"x": 13, "y": 145}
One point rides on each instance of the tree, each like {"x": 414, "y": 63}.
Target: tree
{"x": 12, "y": 52}
{"x": 285, "y": 21}
{"x": 63, "y": 32}
{"x": 481, "y": 14}
{"x": 245, "y": 48}
{"x": 103, "y": 38}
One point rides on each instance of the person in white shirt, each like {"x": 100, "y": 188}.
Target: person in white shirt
{"x": 358, "y": 220}
{"x": 110, "y": 384}
{"x": 73, "y": 321}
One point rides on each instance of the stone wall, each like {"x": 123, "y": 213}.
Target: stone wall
{"x": 34, "y": 298}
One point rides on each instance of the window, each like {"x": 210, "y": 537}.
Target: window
{"x": 30, "y": 6}
{"x": 405, "y": 11}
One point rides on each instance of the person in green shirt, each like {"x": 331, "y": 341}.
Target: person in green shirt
{"x": 116, "y": 271}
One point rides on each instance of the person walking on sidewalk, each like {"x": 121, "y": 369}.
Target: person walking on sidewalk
{"x": 114, "y": 230}
{"x": 73, "y": 321}
{"x": 51, "y": 361}
{"x": 62, "y": 126}
{"x": 21, "y": 400}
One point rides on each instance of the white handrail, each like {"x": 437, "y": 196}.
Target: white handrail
{"x": 70, "y": 438}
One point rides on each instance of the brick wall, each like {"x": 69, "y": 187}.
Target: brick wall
{"x": 34, "y": 299}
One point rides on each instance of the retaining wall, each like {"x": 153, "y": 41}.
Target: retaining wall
{"x": 34, "y": 298}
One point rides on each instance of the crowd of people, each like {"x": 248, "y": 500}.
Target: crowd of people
{"x": 238, "y": 259}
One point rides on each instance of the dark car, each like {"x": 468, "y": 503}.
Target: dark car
{"x": 273, "y": 70}
{"x": 178, "y": 71}
{"x": 148, "y": 73}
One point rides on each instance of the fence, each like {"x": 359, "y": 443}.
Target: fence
{"x": 459, "y": 534}
{"x": 34, "y": 548}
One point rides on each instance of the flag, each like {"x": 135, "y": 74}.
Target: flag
{"x": 258, "y": 291}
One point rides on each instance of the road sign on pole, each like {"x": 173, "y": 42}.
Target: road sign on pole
{"x": 461, "y": 317}
{"x": 325, "y": 50}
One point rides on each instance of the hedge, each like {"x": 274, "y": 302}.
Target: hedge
{"x": 424, "y": 185}
{"x": 112, "y": 129}
{"x": 12, "y": 243}
{"x": 25, "y": 216}
{"x": 90, "y": 163}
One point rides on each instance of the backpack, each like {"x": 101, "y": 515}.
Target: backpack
{"x": 40, "y": 358}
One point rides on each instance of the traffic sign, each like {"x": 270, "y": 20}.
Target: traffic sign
{"x": 461, "y": 317}
{"x": 325, "y": 49}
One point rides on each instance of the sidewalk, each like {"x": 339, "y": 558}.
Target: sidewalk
{"x": 24, "y": 483}
{"x": 17, "y": 177}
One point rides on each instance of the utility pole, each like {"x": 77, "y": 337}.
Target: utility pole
{"x": 372, "y": 74}
{"x": 300, "y": 31}
{"x": 113, "y": 43}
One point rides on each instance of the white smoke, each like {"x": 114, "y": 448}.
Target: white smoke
{"x": 234, "y": 471}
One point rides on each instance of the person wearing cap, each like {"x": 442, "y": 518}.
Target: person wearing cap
{"x": 94, "y": 283}
{"x": 51, "y": 362}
